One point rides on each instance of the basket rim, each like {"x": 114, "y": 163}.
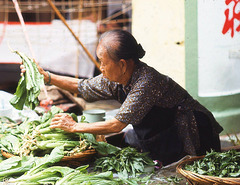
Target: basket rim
{"x": 82, "y": 154}
{"x": 7, "y": 154}
{"x": 204, "y": 178}
{"x": 86, "y": 153}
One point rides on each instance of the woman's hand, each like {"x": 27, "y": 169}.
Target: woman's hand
{"x": 41, "y": 71}
{"x": 64, "y": 122}
{"x": 23, "y": 70}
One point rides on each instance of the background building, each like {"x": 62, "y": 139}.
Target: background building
{"x": 194, "y": 42}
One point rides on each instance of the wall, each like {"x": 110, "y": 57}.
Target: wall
{"x": 168, "y": 31}
{"x": 158, "y": 26}
{"x": 226, "y": 109}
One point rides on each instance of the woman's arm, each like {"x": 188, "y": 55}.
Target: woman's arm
{"x": 64, "y": 82}
{"x": 66, "y": 123}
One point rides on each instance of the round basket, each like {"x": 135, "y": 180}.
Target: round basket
{"x": 82, "y": 156}
{"x": 78, "y": 159}
{"x": 195, "y": 178}
{"x": 6, "y": 154}
{"x": 74, "y": 160}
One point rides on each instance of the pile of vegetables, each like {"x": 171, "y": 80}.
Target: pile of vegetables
{"x": 225, "y": 164}
{"x": 16, "y": 166}
{"x": 35, "y": 170}
{"x": 37, "y": 139}
{"x": 127, "y": 162}
{"x": 29, "y": 139}
{"x": 29, "y": 85}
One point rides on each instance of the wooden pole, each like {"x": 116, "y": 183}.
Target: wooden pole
{"x": 65, "y": 23}
{"x": 78, "y": 51}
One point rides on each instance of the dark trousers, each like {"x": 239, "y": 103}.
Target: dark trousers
{"x": 167, "y": 147}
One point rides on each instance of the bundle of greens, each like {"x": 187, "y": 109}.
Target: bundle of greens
{"x": 29, "y": 85}
{"x": 126, "y": 162}
{"x": 35, "y": 170}
{"x": 33, "y": 138}
{"x": 36, "y": 138}
{"x": 64, "y": 175}
{"x": 225, "y": 164}
{"x": 60, "y": 175}
{"x": 6, "y": 124}
{"x": 16, "y": 166}
{"x": 105, "y": 178}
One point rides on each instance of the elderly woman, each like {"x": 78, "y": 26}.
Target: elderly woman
{"x": 167, "y": 121}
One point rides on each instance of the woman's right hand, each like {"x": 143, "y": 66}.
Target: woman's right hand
{"x": 23, "y": 70}
{"x": 41, "y": 71}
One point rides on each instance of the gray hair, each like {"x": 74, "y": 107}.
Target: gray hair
{"x": 121, "y": 44}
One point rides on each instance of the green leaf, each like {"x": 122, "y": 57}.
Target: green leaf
{"x": 139, "y": 167}
{"x": 16, "y": 166}
{"x": 55, "y": 156}
{"x": 221, "y": 164}
{"x": 29, "y": 85}
{"x": 104, "y": 148}
{"x": 10, "y": 143}
{"x": 125, "y": 162}
{"x": 74, "y": 116}
{"x": 9, "y": 163}
{"x": 236, "y": 174}
{"x": 55, "y": 172}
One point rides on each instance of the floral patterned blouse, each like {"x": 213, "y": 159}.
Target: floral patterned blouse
{"x": 153, "y": 103}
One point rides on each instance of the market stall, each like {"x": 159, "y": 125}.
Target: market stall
{"x": 48, "y": 137}
{"x": 25, "y": 137}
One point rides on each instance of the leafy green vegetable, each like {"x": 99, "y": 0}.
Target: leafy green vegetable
{"x": 29, "y": 85}
{"x": 6, "y": 119}
{"x": 105, "y": 149}
{"x": 174, "y": 179}
{"x": 61, "y": 175}
{"x": 37, "y": 139}
{"x": 83, "y": 119}
{"x": 126, "y": 162}
{"x": 74, "y": 116}
{"x": 78, "y": 177}
{"x": 46, "y": 176}
{"x": 35, "y": 173}
{"x": 10, "y": 143}
{"x": 15, "y": 166}
{"x": 225, "y": 164}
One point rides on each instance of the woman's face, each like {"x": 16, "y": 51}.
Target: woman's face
{"x": 110, "y": 69}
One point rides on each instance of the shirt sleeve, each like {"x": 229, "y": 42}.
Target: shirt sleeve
{"x": 97, "y": 88}
{"x": 140, "y": 100}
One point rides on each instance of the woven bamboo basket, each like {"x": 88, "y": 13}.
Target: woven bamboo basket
{"x": 197, "y": 179}
{"x": 6, "y": 154}
{"x": 74, "y": 160}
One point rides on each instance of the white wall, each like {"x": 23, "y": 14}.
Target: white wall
{"x": 158, "y": 25}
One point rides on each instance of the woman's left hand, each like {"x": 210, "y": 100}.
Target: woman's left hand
{"x": 64, "y": 122}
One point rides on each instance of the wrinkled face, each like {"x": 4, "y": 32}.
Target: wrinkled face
{"x": 110, "y": 69}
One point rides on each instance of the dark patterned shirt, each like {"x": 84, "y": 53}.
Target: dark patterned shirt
{"x": 151, "y": 102}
